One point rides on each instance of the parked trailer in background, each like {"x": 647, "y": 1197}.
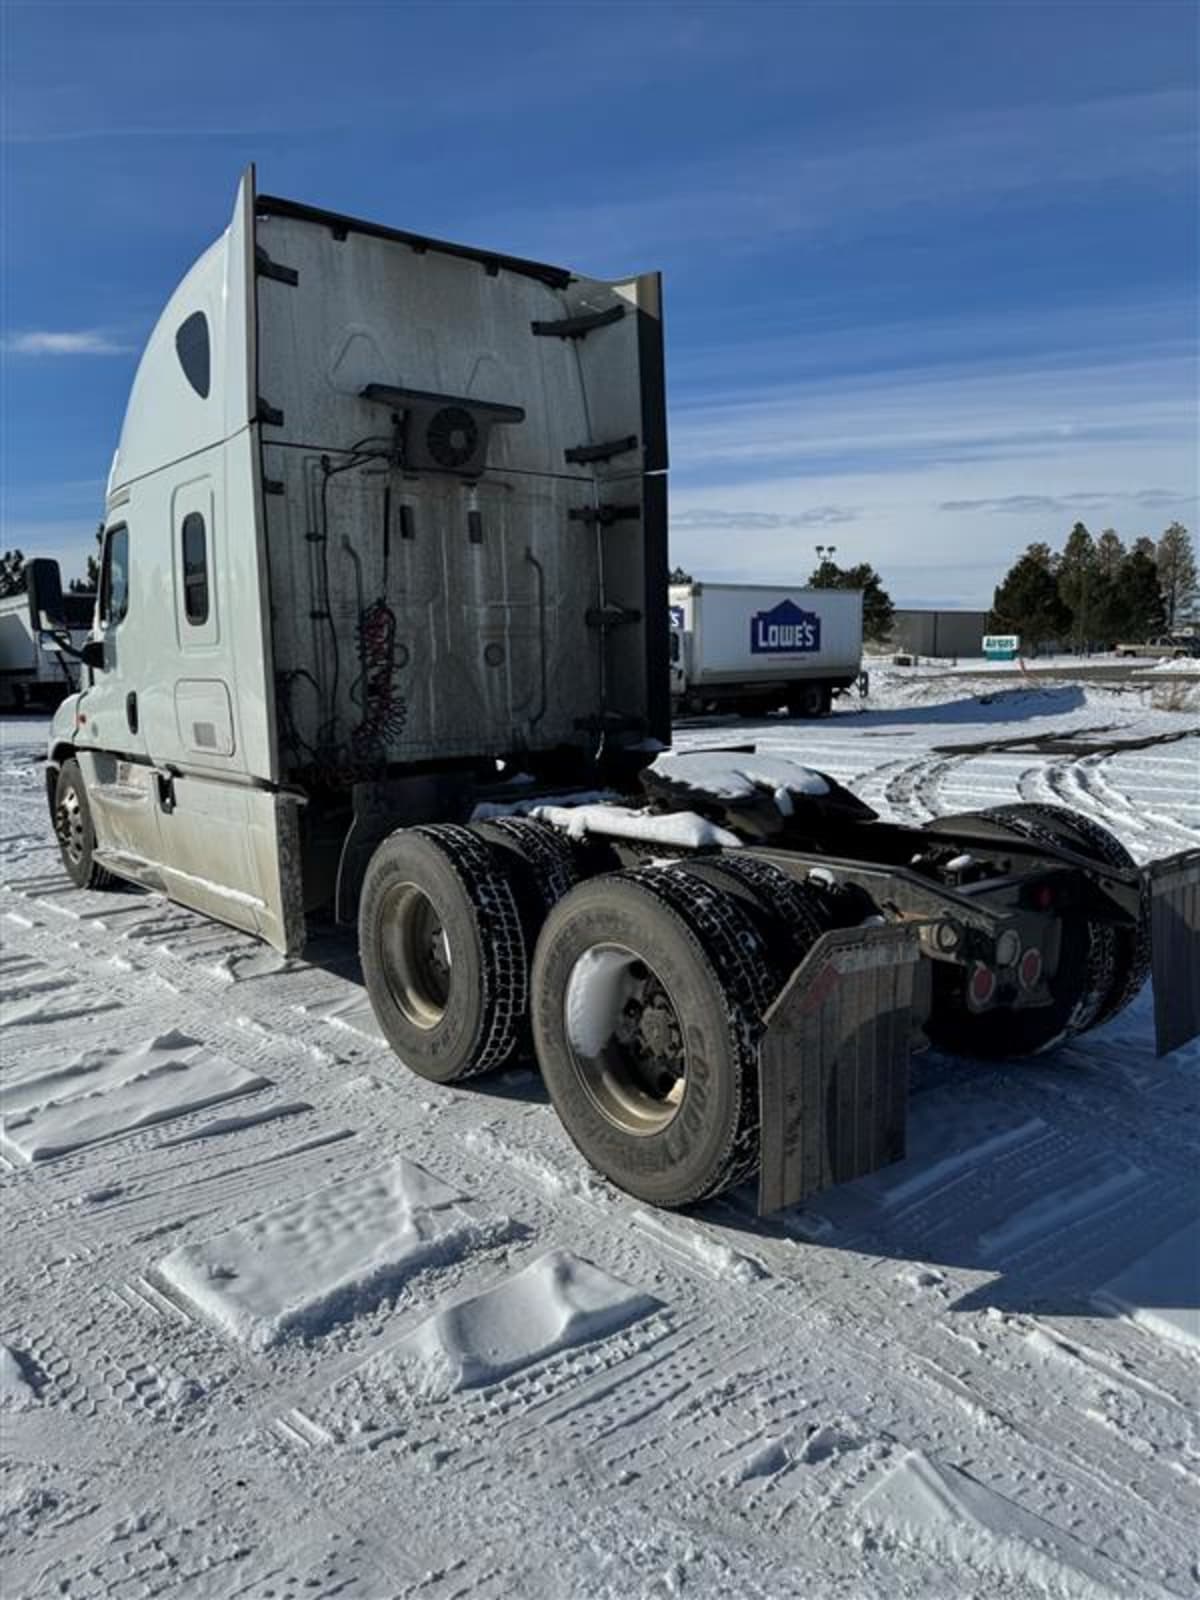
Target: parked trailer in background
{"x": 384, "y": 604}
{"x": 30, "y": 676}
{"x": 753, "y": 648}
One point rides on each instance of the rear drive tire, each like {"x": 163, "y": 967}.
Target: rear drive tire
{"x": 443, "y": 951}
{"x": 74, "y": 830}
{"x": 790, "y": 915}
{"x": 1096, "y": 964}
{"x": 649, "y": 989}
{"x": 1131, "y": 946}
{"x": 544, "y": 857}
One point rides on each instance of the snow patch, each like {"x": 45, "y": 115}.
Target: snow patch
{"x": 600, "y": 986}
{"x": 252, "y": 1119}
{"x": 103, "y": 1093}
{"x": 922, "y": 1175}
{"x": 306, "y": 1264}
{"x": 556, "y": 1302}
{"x": 1071, "y": 1203}
{"x": 732, "y": 776}
{"x": 984, "y": 1535}
{"x": 684, "y": 829}
{"x": 16, "y": 1391}
{"x": 1160, "y": 1291}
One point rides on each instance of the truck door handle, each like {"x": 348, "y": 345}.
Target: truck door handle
{"x": 131, "y": 714}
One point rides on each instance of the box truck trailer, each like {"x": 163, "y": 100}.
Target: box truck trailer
{"x": 33, "y": 677}
{"x": 753, "y": 649}
{"x": 382, "y": 633}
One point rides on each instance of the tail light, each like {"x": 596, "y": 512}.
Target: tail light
{"x": 981, "y": 987}
{"x": 1029, "y": 973}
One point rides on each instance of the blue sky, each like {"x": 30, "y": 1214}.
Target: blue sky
{"x": 931, "y": 270}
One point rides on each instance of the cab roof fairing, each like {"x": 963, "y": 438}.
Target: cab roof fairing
{"x": 166, "y": 419}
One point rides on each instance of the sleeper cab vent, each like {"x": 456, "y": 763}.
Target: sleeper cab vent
{"x": 442, "y": 432}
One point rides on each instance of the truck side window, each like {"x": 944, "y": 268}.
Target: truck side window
{"x": 192, "y": 348}
{"x": 195, "y": 568}
{"x": 114, "y": 579}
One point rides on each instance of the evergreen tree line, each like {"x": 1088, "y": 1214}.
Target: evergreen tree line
{"x": 1096, "y": 592}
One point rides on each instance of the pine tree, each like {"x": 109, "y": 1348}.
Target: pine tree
{"x": 1109, "y": 609}
{"x": 878, "y": 611}
{"x": 1027, "y": 602}
{"x": 678, "y": 575}
{"x": 1177, "y": 576}
{"x": 1143, "y": 609}
{"x": 1078, "y": 574}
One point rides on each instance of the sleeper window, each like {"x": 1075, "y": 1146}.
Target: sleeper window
{"x": 192, "y": 348}
{"x": 195, "y": 568}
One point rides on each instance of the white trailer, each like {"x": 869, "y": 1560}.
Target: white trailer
{"x": 31, "y": 676}
{"x": 755, "y": 648}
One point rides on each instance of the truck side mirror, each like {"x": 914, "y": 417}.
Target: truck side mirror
{"x": 43, "y": 585}
{"x": 92, "y": 654}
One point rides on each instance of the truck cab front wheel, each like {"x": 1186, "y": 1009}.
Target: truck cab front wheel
{"x": 74, "y": 830}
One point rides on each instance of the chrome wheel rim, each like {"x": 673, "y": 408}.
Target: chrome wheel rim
{"x": 415, "y": 955}
{"x": 70, "y": 827}
{"x": 625, "y": 1039}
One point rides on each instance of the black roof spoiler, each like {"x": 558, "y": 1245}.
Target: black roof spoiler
{"x": 267, "y": 205}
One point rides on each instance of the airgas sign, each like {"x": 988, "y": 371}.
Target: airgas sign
{"x": 786, "y": 630}
{"x": 1001, "y": 646}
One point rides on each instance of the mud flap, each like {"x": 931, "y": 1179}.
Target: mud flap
{"x": 1175, "y": 948}
{"x": 833, "y": 1064}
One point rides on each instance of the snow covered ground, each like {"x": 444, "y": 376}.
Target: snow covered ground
{"x": 277, "y": 1319}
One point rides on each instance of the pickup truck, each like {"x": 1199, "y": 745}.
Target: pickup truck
{"x": 1172, "y": 646}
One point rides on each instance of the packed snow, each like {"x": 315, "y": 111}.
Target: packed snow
{"x": 277, "y": 1318}
{"x": 741, "y": 777}
{"x": 102, "y": 1093}
{"x": 682, "y": 830}
{"x": 556, "y": 1301}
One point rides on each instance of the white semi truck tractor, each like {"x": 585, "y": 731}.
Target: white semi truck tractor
{"x": 382, "y": 634}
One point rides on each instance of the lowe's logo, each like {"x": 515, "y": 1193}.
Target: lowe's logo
{"x": 784, "y": 630}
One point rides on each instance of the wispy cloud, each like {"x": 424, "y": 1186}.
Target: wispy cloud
{"x": 761, "y": 521}
{"x": 43, "y": 342}
{"x": 1024, "y": 504}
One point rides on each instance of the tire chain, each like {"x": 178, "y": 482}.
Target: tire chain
{"x": 505, "y": 963}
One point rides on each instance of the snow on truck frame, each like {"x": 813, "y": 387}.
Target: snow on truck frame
{"x": 384, "y": 605}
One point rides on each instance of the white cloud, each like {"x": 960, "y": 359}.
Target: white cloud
{"x": 87, "y": 342}
{"x": 946, "y": 472}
